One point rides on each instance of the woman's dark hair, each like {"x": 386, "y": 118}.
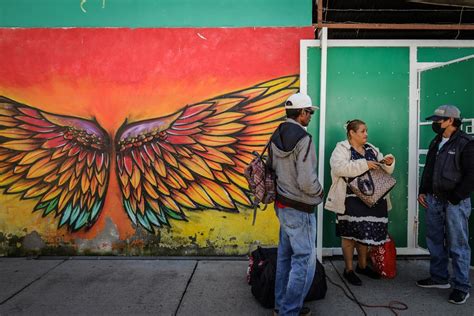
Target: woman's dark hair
{"x": 353, "y": 125}
{"x": 293, "y": 113}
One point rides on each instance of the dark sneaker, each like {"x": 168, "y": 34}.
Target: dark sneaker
{"x": 458, "y": 297}
{"x": 429, "y": 283}
{"x": 352, "y": 278}
{"x": 305, "y": 311}
{"x": 367, "y": 271}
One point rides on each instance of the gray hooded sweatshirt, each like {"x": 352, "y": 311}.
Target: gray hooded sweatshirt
{"x": 293, "y": 157}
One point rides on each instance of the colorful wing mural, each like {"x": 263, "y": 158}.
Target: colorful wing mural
{"x": 61, "y": 161}
{"x": 193, "y": 159}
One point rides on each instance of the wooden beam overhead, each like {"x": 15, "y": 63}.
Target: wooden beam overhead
{"x": 319, "y": 3}
{"x": 395, "y": 26}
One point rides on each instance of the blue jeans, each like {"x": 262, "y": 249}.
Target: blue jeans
{"x": 447, "y": 235}
{"x": 296, "y": 261}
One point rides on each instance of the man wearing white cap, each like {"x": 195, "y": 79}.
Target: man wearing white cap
{"x": 445, "y": 188}
{"x": 293, "y": 157}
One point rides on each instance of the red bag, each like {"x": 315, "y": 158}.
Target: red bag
{"x": 384, "y": 259}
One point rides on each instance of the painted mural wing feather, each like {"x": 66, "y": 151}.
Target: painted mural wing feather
{"x": 195, "y": 158}
{"x": 61, "y": 161}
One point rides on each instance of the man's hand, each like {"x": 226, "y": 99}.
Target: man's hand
{"x": 422, "y": 200}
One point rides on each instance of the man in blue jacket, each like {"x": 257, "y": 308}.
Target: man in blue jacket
{"x": 293, "y": 157}
{"x": 446, "y": 185}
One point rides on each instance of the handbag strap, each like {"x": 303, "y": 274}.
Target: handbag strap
{"x": 370, "y": 180}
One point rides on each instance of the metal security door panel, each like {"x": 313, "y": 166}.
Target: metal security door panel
{"x": 446, "y": 83}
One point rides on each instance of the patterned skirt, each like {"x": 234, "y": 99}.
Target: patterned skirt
{"x": 366, "y": 225}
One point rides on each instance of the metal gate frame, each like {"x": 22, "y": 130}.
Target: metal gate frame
{"x": 413, "y": 45}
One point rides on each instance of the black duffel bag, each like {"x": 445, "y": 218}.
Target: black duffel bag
{"x": 261, "y": 277}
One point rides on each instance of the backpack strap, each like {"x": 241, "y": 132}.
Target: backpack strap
{"x": 267, "y": 147}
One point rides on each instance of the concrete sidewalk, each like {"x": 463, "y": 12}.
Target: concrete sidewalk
{"x": 190, "y": 286}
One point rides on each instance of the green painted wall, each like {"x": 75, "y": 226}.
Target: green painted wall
{"x": 442, "y": 54}
{"x": 435, "y": 91}
{"x": 154, "y": 13}
{"x": 370, "y": 84}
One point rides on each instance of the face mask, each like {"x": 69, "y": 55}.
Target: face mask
{"x": 436, "y": 126}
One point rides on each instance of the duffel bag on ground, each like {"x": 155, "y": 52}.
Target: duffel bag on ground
{"x": 261, "y": 277}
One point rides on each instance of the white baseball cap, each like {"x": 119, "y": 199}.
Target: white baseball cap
{"x": 300, "y": 101}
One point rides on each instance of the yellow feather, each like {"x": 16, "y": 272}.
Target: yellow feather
{"x": 225, "y": 129}
{"x": 15, "y": 133}
{"x": 33, "y": 156}
{"x": 224, "y": 118}
{"x": 214, "y": 165}
{"x": 258, "y": 129}
{"x": 73, "y": 181}
{"x": 22, "y": 185}
{"x": 135, "y": 179}
{"x": 159, "y": 167}
{"x": 94, "y": 185}
{"x": 169, "y": 180}
{"x": 42, "y": 167}
{"x": 185, "y": 173}
{"x": 65, "y": 176}
{"x": 8, "y": 121}
{"x": 150, "y": 190}
{"x": 21, "y": 145}
{"x": 169, "y": 158}
{"x": 64, "y": 198}
{"x": 217, "y": 193}
{"x": 169, "y": 203}
{"x": 215, "y": 141}
{"x": 237, "y": 179}
{"x": 149, "y": 176}
{"x": 54, "y": 192}
{"x": 36, "y": 191}
{"x": 124, "y": 179}
{"x": 267, "y": 116}
{"x": 183, "y": 199}
{"x": 198, "y": 166}
{"x": 84, "y": 183}
{"x": 20, "y": 169}
{"x": 275, "y": 100}
{"x": 237, "y": 194}
{"x": 220, "y": 176}
{"x": 162, "y": 187}
{"x": 198, "y": 194}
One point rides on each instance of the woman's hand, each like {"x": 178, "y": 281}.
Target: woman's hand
{"x": 372, "y": 165}
{"x": 387, "y": 160}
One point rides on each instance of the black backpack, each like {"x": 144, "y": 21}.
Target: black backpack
{"x": 262, "y": 273}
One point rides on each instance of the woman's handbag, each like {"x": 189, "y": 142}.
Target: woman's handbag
{"x": 372, "y": 186}
{"x": 384, "y": 259}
